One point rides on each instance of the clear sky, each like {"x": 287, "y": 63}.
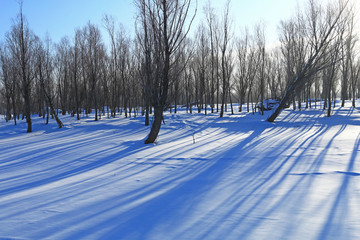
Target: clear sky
{"x": 61, "y": 17}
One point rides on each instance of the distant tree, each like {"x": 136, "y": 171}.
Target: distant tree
{"x": 44, "y": 75}
{"x": 7, "y": 82}
{"x": 355, "y": 76}
{"x": 274, "y": 76}
{"x": 95, "y": 51}
{"x": 224, "y": 48}
{"x": 144, "y": 33}
{"x": 214, "y": 60}
{"x": 242, "y": 73}
{"x": 124, "y": 64}
{"x": 330, "y": 74}
{"x": 321, "y": 33}
{"x": 62, "y": 72}
{"x": 200, "y": 68}
{"x": 117, "y": 44}
{"x": 20, "y": 41}
{"x": 75, "y": 53}
{"x": 188, "y": 76}
{"x": 261, "y": 62}
{"x": 348, "y": 51}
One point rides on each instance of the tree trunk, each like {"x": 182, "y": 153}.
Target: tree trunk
{"x": 14, "y": 108}
{"x": 329, "y": 104}
{"x": 27, "y": 109}
{"x": 47, "y": 115}
{"x": 8, "y": 109}
{"x": 155, "y": 128}
{"x": 76, "y": 97}
{"x": 231, "y": 105}
{"x": 147, "y": 110}
{"x": 282, "y": 104}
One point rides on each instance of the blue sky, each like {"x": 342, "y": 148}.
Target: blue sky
{"x": 61, "y": 17}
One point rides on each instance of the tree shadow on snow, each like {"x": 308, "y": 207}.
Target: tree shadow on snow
{"x": 231, "y": 192}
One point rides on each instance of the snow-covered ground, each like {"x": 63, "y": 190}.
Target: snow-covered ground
{"x": 243, "y": 178}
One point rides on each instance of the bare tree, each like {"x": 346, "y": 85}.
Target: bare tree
{"x": 225, "y": 56}
{"x": 213, "y": 36}
{"x": 62, "y": 63}
{"x": 274, "y": 76}
{"x": 355, "y": 76}
{"x": 346, "y": 31}
{"x": 44, "y": 70}
{"x": 168, "y": 22}
{"x": 242, "y": 46}
{"x": 75, "y": 66}
{"x": 6, "y": 80}
{"x": 261, "y": 62}
{"x": 94, "y": 52}
{"x": 117, "y": 42}
{"x": 200, "y": 68}
{"x": 146, "y": 44}
{"x": 9, "y": 76}
{"x": 330, "y": 74}
{"x": 321, "y": 32}
{"x": 21, "y": 44}
{"x": 294, "y": 49}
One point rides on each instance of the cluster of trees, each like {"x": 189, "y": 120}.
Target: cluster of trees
{"x": 163, "y": 67}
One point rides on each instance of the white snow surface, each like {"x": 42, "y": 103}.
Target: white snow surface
{"x": 243, "y": 178}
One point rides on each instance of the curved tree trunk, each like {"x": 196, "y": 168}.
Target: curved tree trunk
{"x": 155, "y": 128}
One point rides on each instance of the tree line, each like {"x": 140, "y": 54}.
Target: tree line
{"x": 163, "y": 67}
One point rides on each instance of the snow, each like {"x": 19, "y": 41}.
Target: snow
{"x": 244, "y": 178}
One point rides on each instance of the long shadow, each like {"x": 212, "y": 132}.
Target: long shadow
{"x": 312, "y": 171}
{"x": 336, "y": 224}
{"x": 30, "y": 154}
{"x": 75, "y": 171}
{"x": 109, "y": 207}
{"x": 167, "y": 201}
{"x": 130, "y": 147}
{"x": 47, "y": 149}
{"x": 44, "y": 155}
{"x": 165, "y": 207}
{"x": 220, "y": 171}
{"x": 154, "y": 209}
{"x": 266, "y": 185}
{"x": 78, "y": 131}
{"x": 160, "y": 209}
{"x": 215, "y": 170}
{"x": 272, "y": 188}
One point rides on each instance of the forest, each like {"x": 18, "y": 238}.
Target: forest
{"x": 315, "y": 61}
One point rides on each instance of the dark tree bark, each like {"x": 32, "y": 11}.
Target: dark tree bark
{"x": 167, "y": 21}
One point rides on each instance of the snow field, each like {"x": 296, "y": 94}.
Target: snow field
{"x": 244, "y": 178}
